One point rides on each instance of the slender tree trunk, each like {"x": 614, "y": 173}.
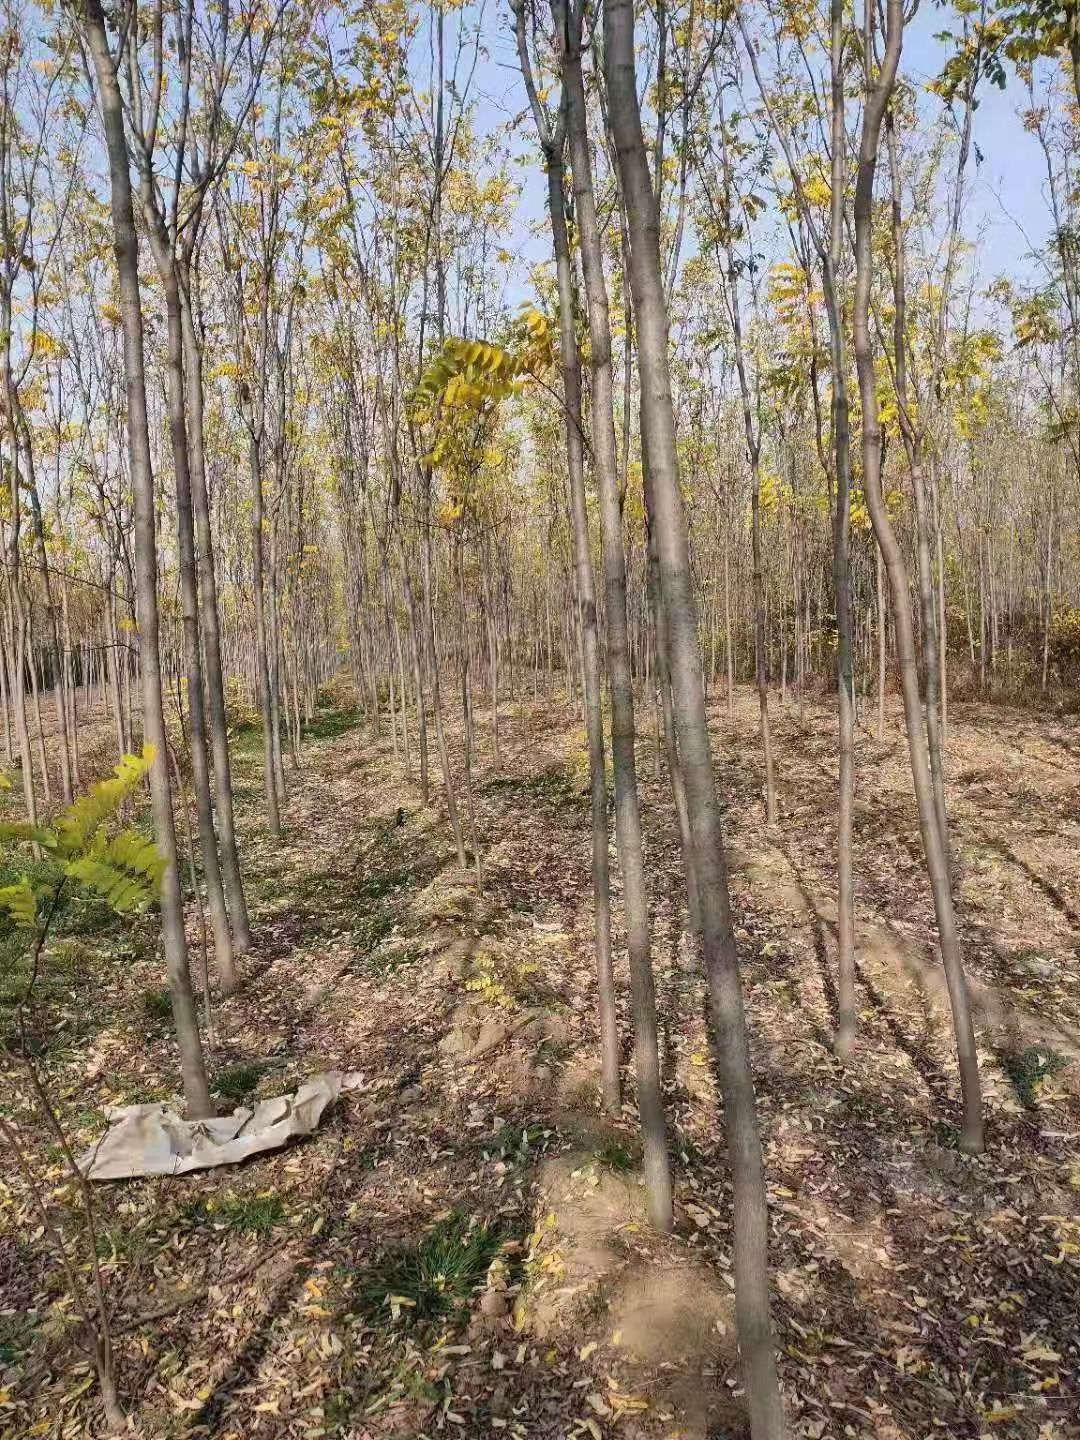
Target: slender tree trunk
{"x": 663, "y": 689}
{"x": 436, "y": 698}
{"x": 1048, "y": 593}
{"x": 753, "y": 452}
{"x": 879, "y": 568}
{"x": 4, "y": 662}
{"x": 59, "y": 678}
{"x": 761, "y": 662}
{"x": 725, "y": 991}
{"x": 585, "y": 589}
{"x": 729, "y": 649}
{"x": 467, "y": 719}
{"x": 627, "y": 809}
{"x": 845, "y": 670}
{"x": 943, "y": 632}
{"x": 189, "y": 601}
{"x": 262, "y": 660}
{"x": 211, "y": 632}
{"x": 35, "y": 696}
{"x": 934, "y": 845}
{"x": 196, "y": 1090}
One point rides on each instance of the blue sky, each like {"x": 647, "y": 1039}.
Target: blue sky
{"x": 1005, "y": 196}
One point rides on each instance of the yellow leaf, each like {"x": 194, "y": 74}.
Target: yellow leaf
{"x": 1040, "y": 1352}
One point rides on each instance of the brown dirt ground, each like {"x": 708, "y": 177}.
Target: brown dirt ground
{"x": 918, "y": 1292}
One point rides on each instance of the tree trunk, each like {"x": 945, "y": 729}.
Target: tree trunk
{"x": 189, "y": 601}
{"x": 627, "y": 810}
{"x": 585, "y": 588}
{"x": 262, "y": 660}
{"x": 725, "y": 991}
{"x": 934, "y": 844}
{"x": 211, "y": 633}
{"x": 196, "y": 1090}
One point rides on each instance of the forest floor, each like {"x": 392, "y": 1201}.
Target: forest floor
{"x": 461, "y": 1248}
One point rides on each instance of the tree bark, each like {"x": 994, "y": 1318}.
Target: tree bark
{"x": 92, "y": 20}
{"x": 211, "y": 631}
{"x": 585, "y": 587}
{"x": 880, "y": 91}
{"x": 725, "y": 991}
{"x": 627, "y": 807}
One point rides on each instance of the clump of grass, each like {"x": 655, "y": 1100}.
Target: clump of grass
{"x": 120, "y": 1240}
{"x": 618, "y": 1154}
{"x": 519, "y": 1147}
{"x": 247, "y": 1214}
{"x": 16, "y": 1338}
{"x": 385, "y": 963}
{"x": 327, "y": 724}
{"x": 1028, "y": 1069}
{"x": 157, "y": 1005}
{"x": 238, "y": 1082}
{"x": 434, "y": 1278}
{"x": 371, "y": 930}
{"x": 380, "y": 883}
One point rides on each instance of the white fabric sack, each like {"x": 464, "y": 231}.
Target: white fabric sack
{"x": 153, "y": 1140}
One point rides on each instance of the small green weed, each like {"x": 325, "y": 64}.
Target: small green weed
{"x": 1028, "y": 1069}
{"x": 618, "y": 1154}
{"x": 157, "y": 1005}
{"x": 16, "y": 1338}
{"x": 369, "y": 931}
{"x": 120, "y": 1240}
{"x": 338, "y": 1409}
{"x": 246, "y": 1214}
{"x": 380, "y": 883}
{"x": 389, "y": 962}
{"x": 519, "y": 1147}
{"x": 434, "y": 1278}
{"x": 238, "y": 1082}
{"x": 327, "y": 724}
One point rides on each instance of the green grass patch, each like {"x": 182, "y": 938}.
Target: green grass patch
{"x": 16, "y": 1338}
{"x": 619, "y": 1154}
{"x": 239, "y": 1082}
{"x": 244, "y": 1214}
{"x": 553, "y": 786}
{"x": 328, "y": 724}
{"x": 371, "y": 930}
{"x": 435, "y": 1278}
{"x": 521, "y": 1147}
{"x": 385, "y": 963}
{"x": 156, "y": 1005}
{"x": 380, "y": 883}
{"x": 1028, "y": 1069}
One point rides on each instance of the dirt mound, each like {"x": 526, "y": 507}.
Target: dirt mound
{"x": 662, "y": 1320}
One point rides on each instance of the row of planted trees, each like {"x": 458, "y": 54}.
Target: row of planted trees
{"x": 270, "y": 411}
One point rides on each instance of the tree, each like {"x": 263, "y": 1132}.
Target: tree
{"x": 91, "y": 21}
{"x": 718, "y": 938}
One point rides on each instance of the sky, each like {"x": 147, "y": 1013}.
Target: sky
{"x": 1005, "y": 209}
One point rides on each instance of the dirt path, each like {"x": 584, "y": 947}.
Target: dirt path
{"x": 917, "y": 1291}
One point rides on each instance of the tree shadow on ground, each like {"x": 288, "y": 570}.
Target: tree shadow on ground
{"x": 1046, "y": 887}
